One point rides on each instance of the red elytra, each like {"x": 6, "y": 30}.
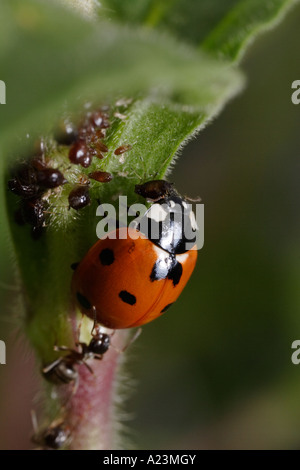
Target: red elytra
{"x": 119, "y": 282}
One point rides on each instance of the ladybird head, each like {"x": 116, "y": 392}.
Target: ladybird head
{"x": 169, "y": 222}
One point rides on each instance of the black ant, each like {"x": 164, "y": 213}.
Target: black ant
{"x": 62, "y": 370}
{"x": 54, "y": 437}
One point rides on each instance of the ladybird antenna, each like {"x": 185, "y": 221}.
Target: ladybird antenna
{"x": 196, "y": 199}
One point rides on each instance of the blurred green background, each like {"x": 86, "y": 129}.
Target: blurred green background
{"x": 216, "y": 371}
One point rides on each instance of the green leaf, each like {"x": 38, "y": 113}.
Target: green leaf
{"x": 53, "y": 61}
{"x": 190, "y": 20}
{"x": 238, "y": 28}
{"x": 223, "y": 27}
{"x": 49, "y": 57}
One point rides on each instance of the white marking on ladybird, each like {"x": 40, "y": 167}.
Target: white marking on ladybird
{"x": 159, "y": 251}
{"x": 172, "y": 204}
{"x": 182, "y": 257}
{"x": 162, "y": 255}
{"x": 193, "y": 221}
{"x": 185, "y": 205}
{"x": 157, "y": 213}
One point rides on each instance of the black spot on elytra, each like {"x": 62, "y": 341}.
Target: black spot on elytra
{"x": 175, "y": 273}
{"x": 74, "y": 266}
{"x": 107, "y": 256}
{"x": 83, "y": 301}
{"x": 166, "y": 308}
{"x": 127, "y": 297}
{"x": 167, "y": 268}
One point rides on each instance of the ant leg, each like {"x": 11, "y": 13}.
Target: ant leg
{"x": 51, "y": 366}
{"x": 132, "y": 339}
{"x": 88, "y": 367}
{"x": 95, "y": 325}
{"x": 34, "y": 422}
{"x": 78, "y": 331}
{"x": 63, "y": 348}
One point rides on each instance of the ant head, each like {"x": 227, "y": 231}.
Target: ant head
{"x": 99, "y": 344}
{"x": 56, "y": 436}
{"x": 53, "y": 437}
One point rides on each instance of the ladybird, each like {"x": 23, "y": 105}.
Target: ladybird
{"x": 133, "y": 276}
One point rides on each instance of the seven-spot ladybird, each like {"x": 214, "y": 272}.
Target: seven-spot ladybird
{"x": 136, "y": 274}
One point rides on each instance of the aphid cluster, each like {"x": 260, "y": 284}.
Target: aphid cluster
{"x": 88, "y": 138}
{"x": 31, "y": 180}
{"x": 86, "y": 142}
